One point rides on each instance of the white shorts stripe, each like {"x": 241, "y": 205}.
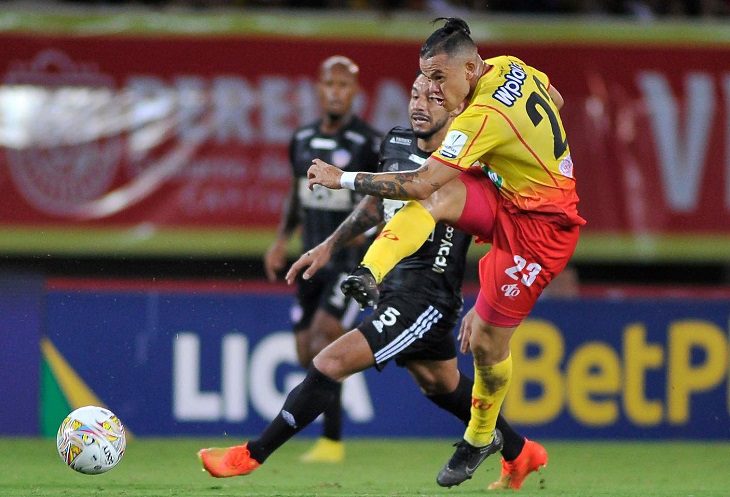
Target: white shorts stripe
{"x": 406, "y": 334}
{"x": 406, "y": 338}
{"x": 424, "y": 323}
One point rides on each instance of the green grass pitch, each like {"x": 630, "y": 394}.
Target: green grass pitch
{"x": 396, "y": 467}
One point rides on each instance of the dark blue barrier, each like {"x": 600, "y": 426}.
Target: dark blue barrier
{"x": 176, "y": 362}
{"x": 21, "y": 299}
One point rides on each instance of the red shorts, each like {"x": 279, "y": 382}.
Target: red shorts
{"x": 528, "y": 250}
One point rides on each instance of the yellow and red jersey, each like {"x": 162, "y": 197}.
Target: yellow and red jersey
{"x": 512, "y": 127}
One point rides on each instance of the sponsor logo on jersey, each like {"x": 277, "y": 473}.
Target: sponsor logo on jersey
{"x": 453, "y": 143}
{"x": 509, "y": 91}
{"x": 305, "y": 133}
{"x": 355, "y": 137}
{"x": 442, "y": 256}
{"x": 393, "y": 167}
{"x": 323, "y": 199}
{"x": 417, "y": 159}
{"x": 398, "y": 140}
{"x": 323, "y": 143}
{"x": 566, "y": 167}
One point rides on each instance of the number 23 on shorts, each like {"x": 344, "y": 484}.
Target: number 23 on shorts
{"x": 524, "y": 271}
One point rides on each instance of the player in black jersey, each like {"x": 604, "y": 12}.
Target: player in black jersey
{"x": 420, "y": 303}
{"x": 323, "y": 312}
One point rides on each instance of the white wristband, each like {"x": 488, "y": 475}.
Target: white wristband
{"x": 347, "y": 180}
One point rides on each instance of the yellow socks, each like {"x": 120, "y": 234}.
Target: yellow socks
{"x": 490, "y": 387}
{"x": 401, "y": 237}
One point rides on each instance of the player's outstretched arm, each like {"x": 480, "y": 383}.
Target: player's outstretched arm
{"x": 367, "y": 214}
{"x": 403, "y": 185}
{"x": 556, "y": 96}
{"x": 275, "y": 256}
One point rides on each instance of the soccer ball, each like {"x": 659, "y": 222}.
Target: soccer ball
{"x": 91, "y": 440}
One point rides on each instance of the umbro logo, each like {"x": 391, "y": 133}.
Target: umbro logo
{"x": 400, "y": 141}
{"x": 289, "y": 418}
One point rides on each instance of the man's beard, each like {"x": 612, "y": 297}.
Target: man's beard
{"x": 425, "y": 135}
{"x": 335, "y": 118}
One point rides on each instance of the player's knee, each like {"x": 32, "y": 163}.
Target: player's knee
{"x": 304, "y": 356}
{"x": 433, "y": 386}
{"x": 328, "y": 364}
{"x": 489, "y": 346}
{"x": 434, "y": 380}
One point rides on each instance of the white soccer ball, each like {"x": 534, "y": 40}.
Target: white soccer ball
{"x": 91, "y": 440}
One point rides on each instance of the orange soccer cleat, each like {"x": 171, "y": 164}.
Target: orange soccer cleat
{"x": 532, "y": 458}
{"x": 228, "y": 461}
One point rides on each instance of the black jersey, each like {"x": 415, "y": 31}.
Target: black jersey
{"x": 438, "y": 266}
{"x": 353, "y": 148}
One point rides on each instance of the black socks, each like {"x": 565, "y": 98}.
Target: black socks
{"x": 332, "y": 426}
{"x": 458, "y": 403}
{"x": 302, "y": 406}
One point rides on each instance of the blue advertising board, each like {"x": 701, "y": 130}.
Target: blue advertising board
{"x": 21, "y": 311}
{"x": 214, "y": 363}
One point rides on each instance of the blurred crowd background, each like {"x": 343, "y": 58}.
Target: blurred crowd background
{"x": 644, "y": 9}
{"x": 652, "y": 238}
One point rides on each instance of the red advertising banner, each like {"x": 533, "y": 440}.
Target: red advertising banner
{"x": 189, "y": 132}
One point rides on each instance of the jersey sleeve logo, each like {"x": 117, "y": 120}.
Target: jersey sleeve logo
{"x": 452, "y": 144}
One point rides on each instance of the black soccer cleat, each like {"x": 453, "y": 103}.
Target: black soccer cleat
{"x": 361, "y": 286}
{"x": 466, "y": 460}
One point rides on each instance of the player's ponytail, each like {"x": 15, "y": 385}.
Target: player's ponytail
{"x": 453, "y": 24}
{"x": 450, "y": 38}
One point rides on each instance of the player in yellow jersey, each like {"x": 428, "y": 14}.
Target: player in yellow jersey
{"x": 503, "y": 173}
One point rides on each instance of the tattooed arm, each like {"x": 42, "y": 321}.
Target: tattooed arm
{"x": 404, "y": 185}
{"x": 366, "y": 215}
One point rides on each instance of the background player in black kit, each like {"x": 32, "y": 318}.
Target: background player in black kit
{"x": 323, "y": 312}
{"x": 420, "y": 303}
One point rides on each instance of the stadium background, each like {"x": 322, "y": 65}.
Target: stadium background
{"x": 143, "y": 169}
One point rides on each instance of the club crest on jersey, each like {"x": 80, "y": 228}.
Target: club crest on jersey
{"x": 509, "y": 91}
{"x": 452, "y": 144}
{"x": 341, "y": 158}
{"x": 566, "y": 167}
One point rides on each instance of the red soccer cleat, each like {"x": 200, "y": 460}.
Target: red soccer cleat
{"x": 532, "y": 458}
{"x": 228, "y": 461}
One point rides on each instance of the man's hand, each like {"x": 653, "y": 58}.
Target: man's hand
{"x": 312, "y": 259}
{"x": 321, "y": 173}
{"x": 275, "y": 259}
{"x": 465, "y": 331}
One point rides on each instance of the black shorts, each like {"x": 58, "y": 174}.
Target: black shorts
{"x": 322, "y": 291}
{"x": 411, "y": 326}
